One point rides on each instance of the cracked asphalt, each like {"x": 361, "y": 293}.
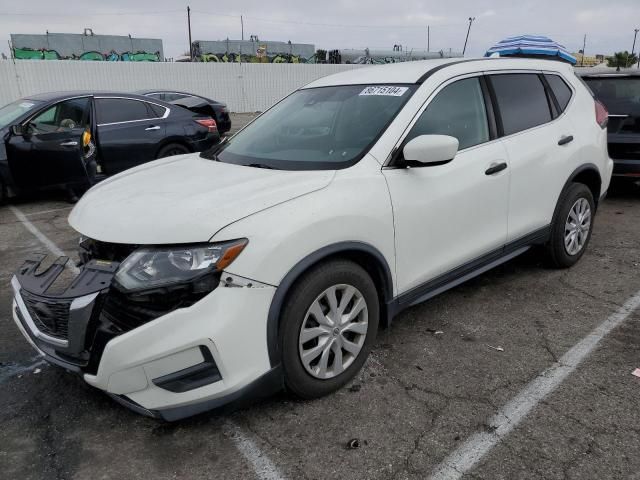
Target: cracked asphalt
{"x": 433, "y": 379}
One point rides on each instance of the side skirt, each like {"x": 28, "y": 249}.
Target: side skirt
{"x": 466, "y": 272}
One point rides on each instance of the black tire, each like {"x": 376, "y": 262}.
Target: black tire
{"x": 304, "y": 293}
{"x": 3, "y": 192}
{"x": 172, "y": 149}
{"x": 558, "y": 255}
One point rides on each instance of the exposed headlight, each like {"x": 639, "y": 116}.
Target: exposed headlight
{"x": 156, "y": 267}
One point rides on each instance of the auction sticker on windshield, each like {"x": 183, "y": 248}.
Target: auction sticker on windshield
{"x": 384, "y": 90}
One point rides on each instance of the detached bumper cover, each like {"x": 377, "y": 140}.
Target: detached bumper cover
{"x": 188, "y": 361}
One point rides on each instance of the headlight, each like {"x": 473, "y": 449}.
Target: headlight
{"x": 156, "y": 267}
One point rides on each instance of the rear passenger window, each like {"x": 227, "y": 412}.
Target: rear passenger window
{"x": 457, "y": 110}
{"x": 114, "y": 110}
{"x": 522, "y": 101}
{"x": 560, "y": 89}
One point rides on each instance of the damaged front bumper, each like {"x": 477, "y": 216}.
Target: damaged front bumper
{"x": 62, "y": 326}
{"x": 181, "y": 363}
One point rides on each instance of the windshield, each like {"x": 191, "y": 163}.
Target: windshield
{"x": 14, "y": 110}
{"x": 317, "y": 128}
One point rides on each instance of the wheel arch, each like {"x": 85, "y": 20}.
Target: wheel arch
{"x": 169, "y": 140}
{"x": 588, "y": 175}
{"x": 363, "y": 254}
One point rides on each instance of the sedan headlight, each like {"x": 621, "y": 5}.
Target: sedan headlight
{"x": 157, "y": 267}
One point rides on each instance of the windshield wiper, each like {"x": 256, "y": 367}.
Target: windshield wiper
{"x": 260, "y": 165}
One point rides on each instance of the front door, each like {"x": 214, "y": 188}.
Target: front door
{"x": 448, "y": 215}
{"x": 51, "y": 150}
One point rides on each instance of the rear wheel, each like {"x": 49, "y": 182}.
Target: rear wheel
{"x": 572, "y": 226}
{"x": 328, "y": 327}
{"x": 172, "y": 149}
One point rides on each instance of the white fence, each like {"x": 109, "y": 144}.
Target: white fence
{"x": 244, "y": 87}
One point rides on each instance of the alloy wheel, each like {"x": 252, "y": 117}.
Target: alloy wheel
{"x": 577, "y": 226}
{"x": 333, "y": 331}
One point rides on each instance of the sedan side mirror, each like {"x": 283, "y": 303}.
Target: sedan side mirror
{"x": 431, "y": 149}
{"x": 18, "y": 130}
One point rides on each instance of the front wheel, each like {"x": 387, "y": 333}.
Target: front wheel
{"x": 572, "y": 226}
{"x": 328, "y": 327}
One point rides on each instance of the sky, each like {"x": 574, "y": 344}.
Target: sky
{"x": 377, "y": 24}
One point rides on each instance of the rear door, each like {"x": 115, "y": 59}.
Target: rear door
{"x": 130, "y": 132}
{"x": 539, "y": 143}
{"x": 51, "y": 150}
{"x": 621, "y": 95}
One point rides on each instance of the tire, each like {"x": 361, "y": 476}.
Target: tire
{"x": 311, "y": 290}
{"x": 563, "y": 252}
{"x": 3, "y": 192}
{"x": 172, "y": 149}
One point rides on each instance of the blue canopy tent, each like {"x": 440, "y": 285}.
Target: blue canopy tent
{"x": 531, "y": 46}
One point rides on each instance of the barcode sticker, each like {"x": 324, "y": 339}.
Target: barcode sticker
{"x": 384, "y": 90}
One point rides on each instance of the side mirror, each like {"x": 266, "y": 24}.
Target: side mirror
{"x": 431, "y": 149}
{"x": 18, "y": 130}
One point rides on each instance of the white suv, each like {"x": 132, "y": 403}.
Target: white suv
{"x": 272, "y": 260}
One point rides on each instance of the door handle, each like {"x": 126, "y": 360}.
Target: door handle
{"x": 155, "y": 127}
{"x": 69, "y": 144}
{"x": 495, "y": 168}
{"x": 566, "y": 139}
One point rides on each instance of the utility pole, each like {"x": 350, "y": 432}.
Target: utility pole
{"x": 584, "y": 45}
{"x": 635, "y": 34}
{"x": 428, "y": 38}
{"x": 464, "y": 49}
{"x": 189, "y": 25}
{"x": 242, "y": 27}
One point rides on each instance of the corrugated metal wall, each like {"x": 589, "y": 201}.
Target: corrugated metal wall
{"x": 244, "y": 87}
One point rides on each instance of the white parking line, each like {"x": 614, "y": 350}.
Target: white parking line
{"x": 264, "y": 468}
{"x": 52, "y": 247}
{"x": 465, "y": 457}
{"x": 53, "y": 210}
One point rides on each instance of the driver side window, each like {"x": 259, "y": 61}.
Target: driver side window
{"x": 62, "y": 117}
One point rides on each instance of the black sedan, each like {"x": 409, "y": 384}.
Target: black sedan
{"x": 196, "y": 103}
{"x": 76, "y": 138}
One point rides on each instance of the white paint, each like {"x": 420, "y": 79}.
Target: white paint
{"x": 243, "y": 87}
{"x": 52, "y": 247}
{"x": 465, "y": 457}
{"x": 264, "y": 468}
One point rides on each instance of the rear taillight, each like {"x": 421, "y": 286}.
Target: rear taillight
{"x": 602, "y": 115}
{"x": 210, "y": 123}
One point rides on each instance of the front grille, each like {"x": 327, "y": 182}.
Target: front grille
{"x": 50, "y": 316}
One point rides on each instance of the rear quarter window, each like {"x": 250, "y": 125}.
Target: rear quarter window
{"x": 560, "y": 90}
{"x": 522, "y": 101}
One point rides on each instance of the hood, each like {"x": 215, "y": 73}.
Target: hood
{"x": 184, "y": 199}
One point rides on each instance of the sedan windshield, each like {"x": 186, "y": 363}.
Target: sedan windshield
{"x": 318, "y": 128}
{"x": 14, "y": 110}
